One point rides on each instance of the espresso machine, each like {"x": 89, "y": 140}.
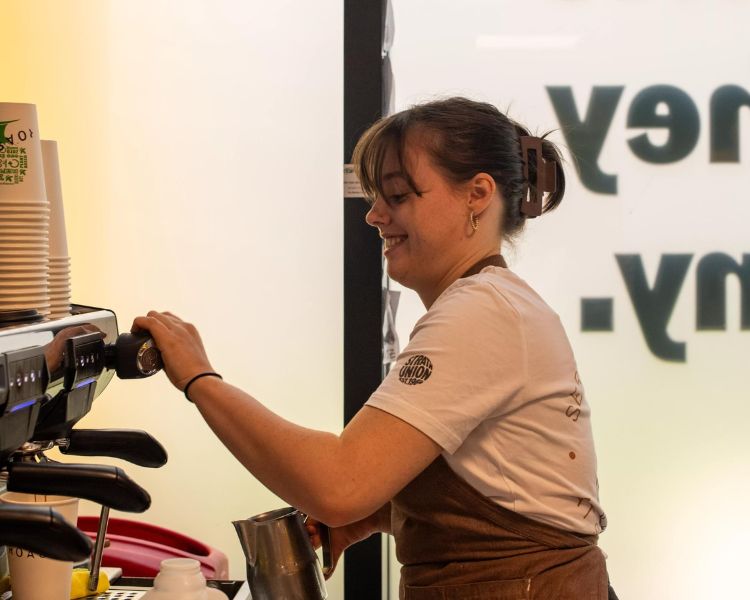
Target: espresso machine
{"x": 51, "y": 371}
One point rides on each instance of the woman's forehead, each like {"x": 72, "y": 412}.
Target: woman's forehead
{"x": 401, "y": 162}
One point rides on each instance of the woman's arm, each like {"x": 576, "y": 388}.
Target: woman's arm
{"x": 336, "y": 479}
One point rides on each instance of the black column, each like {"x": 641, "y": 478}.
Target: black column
{"x": 363, "y": 101}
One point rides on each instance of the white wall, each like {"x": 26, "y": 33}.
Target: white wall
{"x": 201, "y": 147}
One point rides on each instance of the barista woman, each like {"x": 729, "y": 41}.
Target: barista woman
{"x": 476, "y": 451}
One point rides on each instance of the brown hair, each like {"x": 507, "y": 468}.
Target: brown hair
{"x": 464, "y": 138}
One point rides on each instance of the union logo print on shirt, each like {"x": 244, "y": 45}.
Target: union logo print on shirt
{"x": 416, "y": 370}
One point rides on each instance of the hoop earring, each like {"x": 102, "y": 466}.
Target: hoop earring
{"x": 473, "y": 221}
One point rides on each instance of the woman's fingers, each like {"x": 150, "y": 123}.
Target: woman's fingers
{"x": 175, "y": 324}
{"x": 313, "y": 532}
{"x": 337, "y": 544}
{"x": 160, "y": 324}
{"x": 164, "y": 319}
{"x": 157, "y": 328}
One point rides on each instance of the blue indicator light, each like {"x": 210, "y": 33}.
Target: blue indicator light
{"x": 22, "y": 405}
{"x": 84, "y": 382}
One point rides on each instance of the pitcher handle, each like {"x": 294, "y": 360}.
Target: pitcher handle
{"x": 325, "y": 539}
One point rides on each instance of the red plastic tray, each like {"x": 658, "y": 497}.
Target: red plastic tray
{"x": 138, "y": 548}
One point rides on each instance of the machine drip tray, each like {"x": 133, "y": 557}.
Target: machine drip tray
{"x": 134, "y": 588}
{"x": 117, "y": 594}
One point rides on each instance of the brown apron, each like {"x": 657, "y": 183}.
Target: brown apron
{"x": 456, "y": 544}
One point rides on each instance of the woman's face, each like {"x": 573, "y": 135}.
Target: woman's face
{"x": 423, "y": 235}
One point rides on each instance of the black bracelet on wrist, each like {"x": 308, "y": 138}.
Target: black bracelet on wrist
{"x": 196, "y": 378}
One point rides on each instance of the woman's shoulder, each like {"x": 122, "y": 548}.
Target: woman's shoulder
{"x": 471, "y": 302}
{"x": 495, "y": 288}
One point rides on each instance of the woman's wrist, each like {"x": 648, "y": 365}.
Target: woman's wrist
{"x": 200, "y": 384}
{"x": 377, "y": 522}
{"x": 384, "y": 518}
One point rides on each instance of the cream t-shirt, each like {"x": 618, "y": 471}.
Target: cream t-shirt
{"x": 489, "y": 375}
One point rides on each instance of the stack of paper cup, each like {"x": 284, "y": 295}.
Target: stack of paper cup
{"x": 59, "y": 261}
{"x": 24, "y": 212}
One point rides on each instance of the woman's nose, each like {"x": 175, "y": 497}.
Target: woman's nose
{"x": 378, "y": 213}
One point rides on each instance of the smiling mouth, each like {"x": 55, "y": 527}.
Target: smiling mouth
{"x": 392, "y": 242}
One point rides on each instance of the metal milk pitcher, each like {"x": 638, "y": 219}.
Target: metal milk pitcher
{"x": 281, "y": 562}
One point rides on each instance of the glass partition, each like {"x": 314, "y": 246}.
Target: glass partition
{"x": 647, "y": 261}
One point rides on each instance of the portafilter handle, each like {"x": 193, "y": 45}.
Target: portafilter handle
{"x": 103, "y": 484}
{"x": 133, "y": 356}
{"x": 133, "y": 445}
{"x": 44, "y": 531}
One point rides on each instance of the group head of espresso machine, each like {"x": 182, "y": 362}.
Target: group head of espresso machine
{"x": 50, "y": 374}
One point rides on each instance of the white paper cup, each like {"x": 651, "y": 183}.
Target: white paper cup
{"x": 59, "y": 290}
{"x": 23, "y": 234}
{"x": 22, "y": 177}
{"x": 21, "y": 279}
{"x": 23, "y": 264}
{"x": 14, "y": 217}
{"x": 44, "y": 311}
{"x": 41, "y": 225}
{"x": 25, "y": 227}
{"x": 58, "y": 242}
{"x": 34, "y": 206}
{"x": 40, "y": 299}
{"x": 20, "y": 253}
{"x": 38, "y": 305}
{"x": 33, "y": 576}
{"x": 35, "y": 217}
{"x": 29, "y": 288}
{"x": 11, "y": 242}
{"x": 30, "y": 237}
{"x": 22, "y": 293}
{"x": 11, "y": 286}
{"x": 11, "y": 210}
{"x": 25, "y": 255}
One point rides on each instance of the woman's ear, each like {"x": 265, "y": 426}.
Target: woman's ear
{"x": 481, "y": 189}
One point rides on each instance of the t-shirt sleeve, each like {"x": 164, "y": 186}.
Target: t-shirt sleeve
{"x": 465, "y": 362}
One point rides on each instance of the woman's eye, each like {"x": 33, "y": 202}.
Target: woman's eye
{"x": 397, "y": 198}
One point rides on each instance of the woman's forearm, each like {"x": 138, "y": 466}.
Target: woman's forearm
{"x": 337, "y": 479}
{"x": 308, "y": 476}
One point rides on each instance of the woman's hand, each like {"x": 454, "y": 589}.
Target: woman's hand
{"x": 343, "y": 537}
{"x": 179, "y": 343}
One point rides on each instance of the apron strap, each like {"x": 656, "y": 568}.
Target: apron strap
{"x": 496, "y": 260}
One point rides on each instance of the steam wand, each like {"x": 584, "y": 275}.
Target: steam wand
{"x": 96, "y": 555}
